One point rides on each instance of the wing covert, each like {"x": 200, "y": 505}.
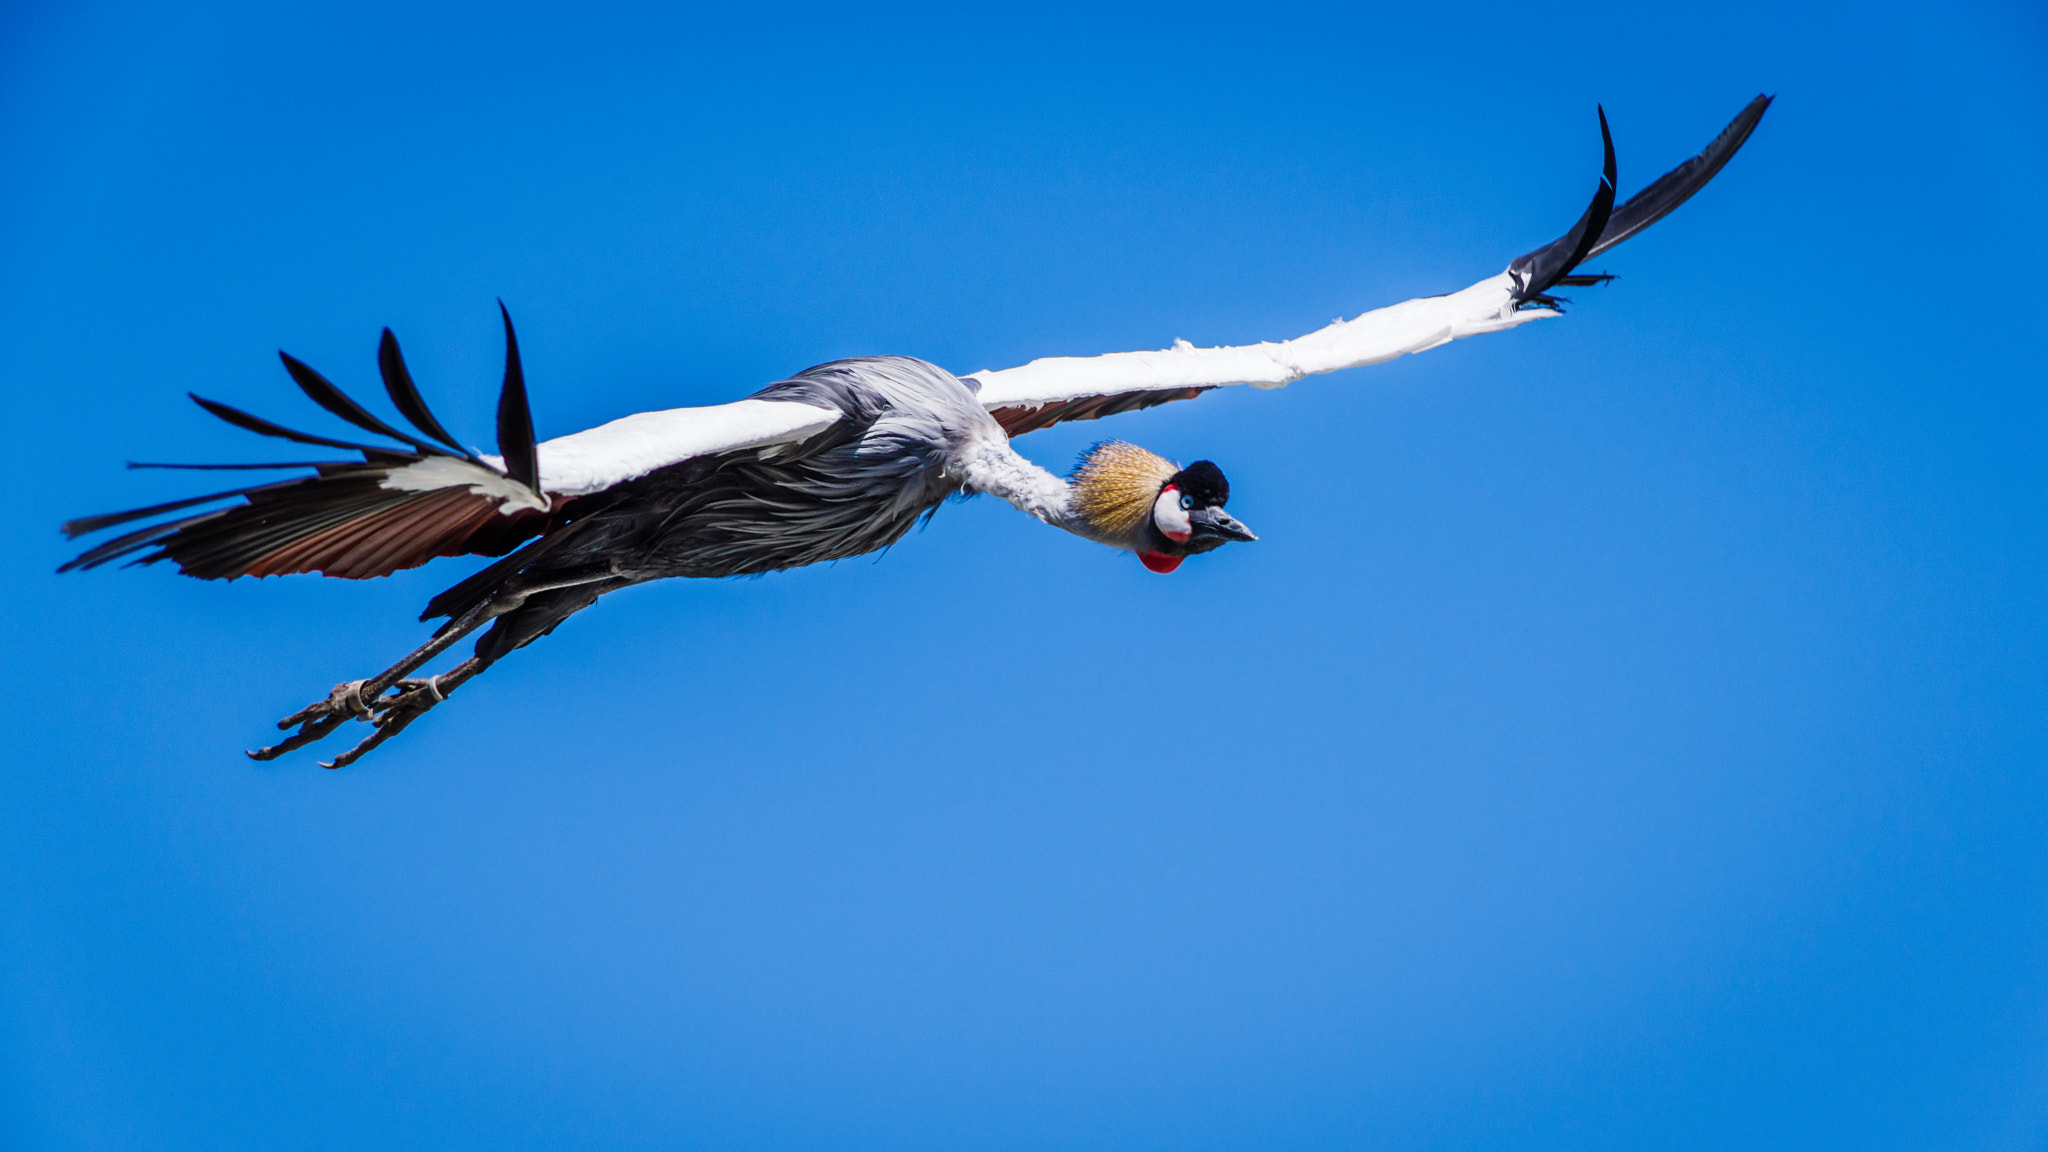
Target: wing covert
{"x": 632, "y": 446}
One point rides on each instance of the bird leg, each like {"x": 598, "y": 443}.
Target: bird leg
{"x": 353, "y": 700}
{"x": 365, "y": 699}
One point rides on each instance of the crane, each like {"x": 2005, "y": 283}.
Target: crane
{"x": 838, "y": 460}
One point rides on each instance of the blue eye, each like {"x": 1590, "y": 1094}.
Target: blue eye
{"x": 1187, "y": 503}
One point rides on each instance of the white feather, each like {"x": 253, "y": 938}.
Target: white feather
{"x": 597, "y": 458}
{"x": 1169, "y": 517}
{"x": 446, "y": 472}
{"x": 1377, "y": 336}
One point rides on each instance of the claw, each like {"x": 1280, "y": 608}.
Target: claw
{"x": 313, "y": 730}
{"x": 409, "y": 700}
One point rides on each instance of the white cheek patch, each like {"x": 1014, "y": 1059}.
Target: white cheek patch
{"x": 1170, "y": 518}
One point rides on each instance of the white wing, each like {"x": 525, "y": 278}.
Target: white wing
{"x": 597, "y": 458}
{"x": 1047, "y": 391}
{"x": 1121, "y": 381}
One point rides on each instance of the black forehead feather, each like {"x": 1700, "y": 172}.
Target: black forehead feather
{"x": 1204, "y": 481}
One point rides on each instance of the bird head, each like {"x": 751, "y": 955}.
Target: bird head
{"x": 1135, "y": 500}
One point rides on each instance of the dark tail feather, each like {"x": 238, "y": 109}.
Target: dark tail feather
{"x": 325, "y": 394}
{"x": 1540, "y": 270}
{"x": 1676, "y": 186}
{"x": 515, "y": 420}
{"x": 534, "y": 619}
{"x": 406, "y": 396}
{"x": 481, "y": 585}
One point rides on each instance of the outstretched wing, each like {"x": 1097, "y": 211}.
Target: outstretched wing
{"x": 1046, "y": 392}
{"x": 399, "y": 507}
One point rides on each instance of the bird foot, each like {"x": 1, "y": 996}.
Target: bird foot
{"x": 410, "y": 699}
{"x": 319, "y": 718}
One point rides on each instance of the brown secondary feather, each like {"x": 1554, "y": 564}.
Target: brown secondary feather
{"x": 1116, "y": 485}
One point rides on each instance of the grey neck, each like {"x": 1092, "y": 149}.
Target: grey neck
{"x": 988, "y": 464}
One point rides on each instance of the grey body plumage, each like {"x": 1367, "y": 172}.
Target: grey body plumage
{"x": 896, "y": 454}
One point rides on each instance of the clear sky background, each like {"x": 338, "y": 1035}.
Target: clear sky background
{"x": 1629, "y": 733}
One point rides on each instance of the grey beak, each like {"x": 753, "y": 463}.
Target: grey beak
{"x": 1218, "y": 525}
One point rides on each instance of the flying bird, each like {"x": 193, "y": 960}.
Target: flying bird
{"x": 836, "y": 461}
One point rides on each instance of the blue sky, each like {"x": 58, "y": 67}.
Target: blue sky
{"x": 1627, "y": 734}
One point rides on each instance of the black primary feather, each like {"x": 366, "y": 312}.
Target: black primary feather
{"x": 1676, "y": 186}
{"x": 405, "y": 396}
{"x": 236, "y": 467}
{"x": 515, "y": 420}
{"x": 262, "y": 427}
{"x": 273, "y": 523}
{"x": 135, "y": 541}
{"x": 1540, "y": 270}
{"x": 86, "y": 524}
{"x": 1552, "y": 264}
{"x": 325, "y": 394}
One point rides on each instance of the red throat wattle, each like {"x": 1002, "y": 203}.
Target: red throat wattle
{"x": 1160, "y": 561}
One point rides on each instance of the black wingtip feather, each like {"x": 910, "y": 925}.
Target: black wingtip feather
{"x": 1597, "y": 213}
{"x": 285, "y": 526}
{"x": 1539, "y": 271}
{"x": 1552, "y": 264}
{"x": 405, "y": 396}
{"x": 262, "y": 427}
{"x": 134, "y": 541}
{"x": 323, "y": 392}
{"x": 135, "y": 464}
{"x": 1677, "y": 186}
{"x": 515, "y": 419}
{"x": 88, "y": 524}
